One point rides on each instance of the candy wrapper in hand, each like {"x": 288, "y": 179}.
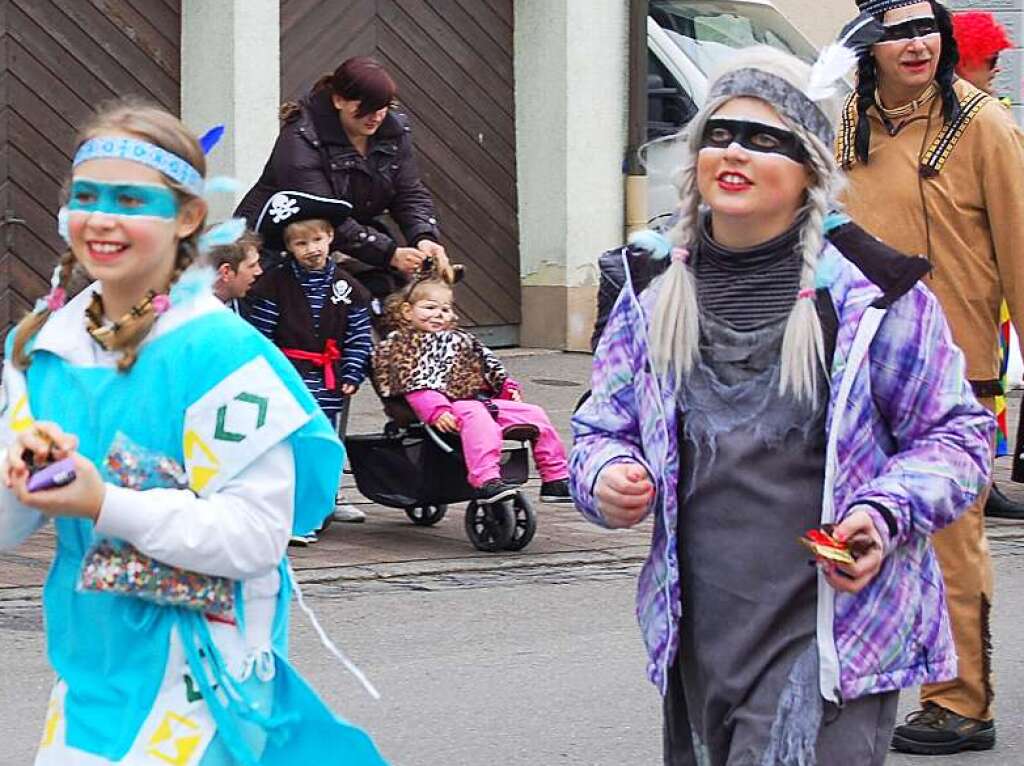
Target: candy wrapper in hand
{"x": 115, "y": 566}
{"x": 821, "y": 543}
{"x": 49, "y": 473}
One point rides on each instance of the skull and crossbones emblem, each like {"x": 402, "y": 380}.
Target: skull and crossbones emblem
{"x": 282, "y": 207}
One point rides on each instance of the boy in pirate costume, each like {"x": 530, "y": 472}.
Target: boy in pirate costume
{"x": 944, "y": 160}
{"x": 313, "y": 310}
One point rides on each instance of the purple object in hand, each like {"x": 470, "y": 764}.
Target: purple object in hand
{"x": 54, "y": 475}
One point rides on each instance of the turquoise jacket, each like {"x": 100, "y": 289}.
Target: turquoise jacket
{"x": 111, "y": 650}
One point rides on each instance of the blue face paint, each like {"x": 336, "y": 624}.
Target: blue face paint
{"x": 150, "y": 200}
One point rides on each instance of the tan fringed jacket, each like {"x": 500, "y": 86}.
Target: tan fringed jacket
{"x": 959, "y": 188}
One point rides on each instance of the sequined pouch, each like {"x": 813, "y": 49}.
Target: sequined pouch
{"x": 115, "y": 566}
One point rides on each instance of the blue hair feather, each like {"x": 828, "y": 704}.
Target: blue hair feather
{"x": 193, "y": 283}
{"x": 224, "y": 233}
{"x": 221, "y": 185}
{"x": 653, "y": 242}
{"x": 211, "y": 138}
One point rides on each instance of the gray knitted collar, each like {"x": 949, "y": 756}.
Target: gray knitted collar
{"x": 781, "y": 94}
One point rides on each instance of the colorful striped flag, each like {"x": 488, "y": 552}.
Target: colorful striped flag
{"x": 1003, "y": 434}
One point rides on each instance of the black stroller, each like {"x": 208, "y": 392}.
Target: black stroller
{"x": 414, "y": 467}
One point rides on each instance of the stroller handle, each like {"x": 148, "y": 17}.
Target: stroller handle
{"x": 434, "y": 437}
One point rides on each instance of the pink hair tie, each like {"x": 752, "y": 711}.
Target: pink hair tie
{"x": 680, "y": 255}
{"x": 56, "y": 298}
{"x": 160, "y": 303}
{"x": 807, "y": 292}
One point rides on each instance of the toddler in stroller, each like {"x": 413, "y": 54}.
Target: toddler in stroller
{"x": 452, "y": 384}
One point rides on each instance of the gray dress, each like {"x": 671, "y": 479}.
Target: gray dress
{"x": 751, "y": 481}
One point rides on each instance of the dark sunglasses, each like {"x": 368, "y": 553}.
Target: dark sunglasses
{"x": 993, "y": 62}
{"x": 720, "y": 133}
{"x": 910, "y": 30}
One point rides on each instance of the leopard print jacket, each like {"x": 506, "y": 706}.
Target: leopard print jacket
{"x": 452, "y": 362}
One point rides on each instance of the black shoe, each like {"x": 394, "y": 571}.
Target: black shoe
{"x": 555, "y": 492}
{"x": 937, "y": 731}
{"x": 999, "y": 506}
{"x": 495, "y": 491}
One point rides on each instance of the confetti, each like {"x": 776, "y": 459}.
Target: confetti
{"x": 115, "y": 566}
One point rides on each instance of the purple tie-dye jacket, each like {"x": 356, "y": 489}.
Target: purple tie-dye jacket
{"x": 913, "y": 441}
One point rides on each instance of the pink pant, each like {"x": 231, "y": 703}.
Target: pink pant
{"x": 481, "y": 437}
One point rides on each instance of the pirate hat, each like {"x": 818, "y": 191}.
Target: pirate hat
{"x": 288, "y": 207}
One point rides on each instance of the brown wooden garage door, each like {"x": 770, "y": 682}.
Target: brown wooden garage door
{"x": 452, "y": 60}
{"x": 58, "y": 59}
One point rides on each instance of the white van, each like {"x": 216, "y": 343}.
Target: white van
{"x": 685, "y": 40}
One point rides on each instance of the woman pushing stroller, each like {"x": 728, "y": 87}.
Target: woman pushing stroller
{"x": 457, "y": 385}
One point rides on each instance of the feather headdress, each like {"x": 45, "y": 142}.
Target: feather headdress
{"x": 838, "y": 58}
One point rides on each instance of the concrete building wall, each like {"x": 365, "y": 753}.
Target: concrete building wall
{"x": 1009, "y": 13}
{"x": 571, "y": 100}
{"x": 229, "y": 75}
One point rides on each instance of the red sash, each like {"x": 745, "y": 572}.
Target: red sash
{"x": 324, "y": 359}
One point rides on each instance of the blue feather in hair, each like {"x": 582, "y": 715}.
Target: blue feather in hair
{"x": 223, "y": 233}
{"x": 194, "y": 283}
{"x": 210, "y": 138}
{"x": 653, "y": 242}
{"x": 221, "y": 185}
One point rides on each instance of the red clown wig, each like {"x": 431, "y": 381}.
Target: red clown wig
{"x": 979, "y": 37}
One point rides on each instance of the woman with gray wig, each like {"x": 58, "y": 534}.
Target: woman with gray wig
{"x": 765, "y": 386}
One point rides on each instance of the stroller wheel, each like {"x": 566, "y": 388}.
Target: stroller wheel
{"x": 490, "y": 526}
{"x": 426, "y": 515}
{"x": 525, "y": 523}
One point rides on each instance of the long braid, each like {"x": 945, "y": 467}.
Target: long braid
{"x": 867, "y": 83}
{"x": 130, "y": 340}
{"x": 675, "y": 323}
{"x": 948, "y": 59}
{"x": 33, "y": 322}
{"x": 803, "y": 344}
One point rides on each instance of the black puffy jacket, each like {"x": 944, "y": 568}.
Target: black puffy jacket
{"x": 312, "y": 154}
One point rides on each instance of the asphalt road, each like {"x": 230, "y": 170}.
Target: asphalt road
{"x": 539, "y": 665}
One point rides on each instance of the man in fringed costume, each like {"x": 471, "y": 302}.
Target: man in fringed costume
{"x": 936, "y": 167}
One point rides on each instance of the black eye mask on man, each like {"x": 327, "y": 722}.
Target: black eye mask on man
{"x": 910, "y": 30}
{"x": 720, "y": 133}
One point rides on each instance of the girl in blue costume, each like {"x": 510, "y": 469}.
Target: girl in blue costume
{"x": 197, "y": 450}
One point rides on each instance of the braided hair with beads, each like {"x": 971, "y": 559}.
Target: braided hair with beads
{"x": 149, "y": 123}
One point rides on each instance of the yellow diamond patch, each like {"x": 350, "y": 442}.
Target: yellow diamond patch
{"x": 201, "y": 474}
{"x": 175, "y": 740}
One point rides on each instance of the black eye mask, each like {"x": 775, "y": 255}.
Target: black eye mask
{"x": 910, "y": 30}
{"x": 720, "y": 133}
